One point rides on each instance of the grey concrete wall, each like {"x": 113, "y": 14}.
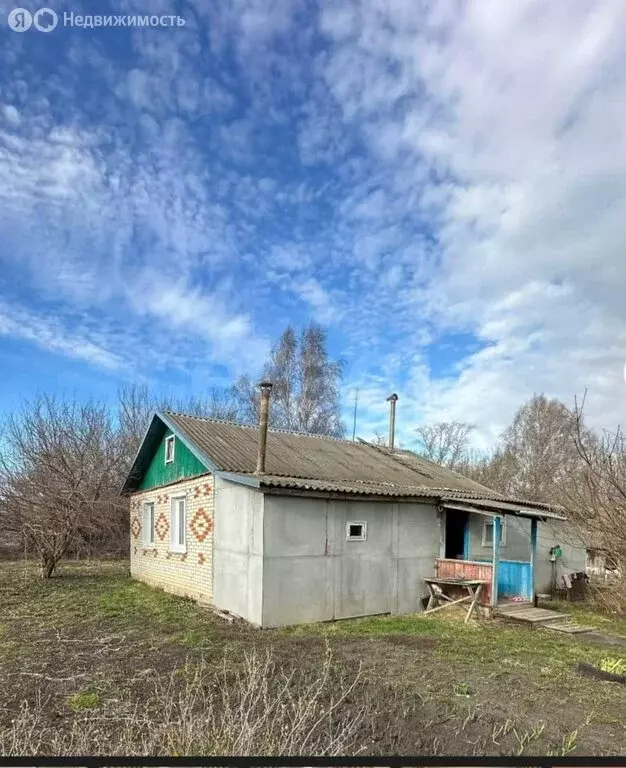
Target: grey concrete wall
{"x": 417, "y": 549}
{"x": 297, "y": 573}
{"x": 550, "y": 534}
{"x": 238, "y": 550}
{"x": 311, "y": 572}
{"x": 517, "y": 545}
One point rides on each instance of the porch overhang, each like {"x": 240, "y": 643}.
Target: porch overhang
{"x": 495, "y": 508}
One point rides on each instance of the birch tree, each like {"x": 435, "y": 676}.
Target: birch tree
{"x": 305, "y": 393}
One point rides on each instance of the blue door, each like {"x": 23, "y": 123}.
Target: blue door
{"x": 514, "y": 579}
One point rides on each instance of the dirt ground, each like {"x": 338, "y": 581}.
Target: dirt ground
{"x": 91, "y": 644}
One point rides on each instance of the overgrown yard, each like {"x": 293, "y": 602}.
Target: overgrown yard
{"x": 91, "y": 662}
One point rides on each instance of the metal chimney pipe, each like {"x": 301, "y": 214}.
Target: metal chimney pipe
{"x": 392, "y": 400}
{"x": 264, "y": 413}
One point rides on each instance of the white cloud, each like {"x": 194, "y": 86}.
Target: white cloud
{"x": 11, "y": 115}
{"x": 324, "y": 310}
{"x": 53, "y": 337}
{"x": 86, "y": 219}
{"x": 460, "y": 168}
{"x": 511, "y": 109}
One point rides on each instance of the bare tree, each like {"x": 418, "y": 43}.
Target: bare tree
{"x": 540, "y": 449}
{"x": 496, "y": 471}
{"x": 59, "y": 476}
{"x": 136, "y": 404}
{"x": 445, "y": 442}
{"x": 597, "y": 501}
{"x": 305, "y": 397}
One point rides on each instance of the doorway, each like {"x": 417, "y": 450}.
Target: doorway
{"x": 457, "y": 535}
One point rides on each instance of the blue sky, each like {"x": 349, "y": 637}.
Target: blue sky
{"x": 440, "y": 185}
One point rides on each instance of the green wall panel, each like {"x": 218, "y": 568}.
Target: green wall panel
{"x": 185, "y": 464}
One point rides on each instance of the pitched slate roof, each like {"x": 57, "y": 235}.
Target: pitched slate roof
{"x": 313, "y": 463}
{"x": 233, "y": 448}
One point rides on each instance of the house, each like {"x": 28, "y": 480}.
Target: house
{"x": 601, "y": 563}
{"x": 282, "y": 528}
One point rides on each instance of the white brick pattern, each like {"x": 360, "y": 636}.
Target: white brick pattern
{"x": 188, "y": 575}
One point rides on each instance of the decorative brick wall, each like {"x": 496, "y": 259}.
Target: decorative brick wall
{"x": 189, "y": 574}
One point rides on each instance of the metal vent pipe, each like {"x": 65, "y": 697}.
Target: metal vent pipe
{"x": 264, "y": 414}
{"x": 392, "y": 400}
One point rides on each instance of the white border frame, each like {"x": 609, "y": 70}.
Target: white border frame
{"x": 170, "y": 440}
{"x": 503, "y": 526}
{"x": 148, "y": 543}
{"x": 363, "y": 536}
{"x": 174, "y": 545}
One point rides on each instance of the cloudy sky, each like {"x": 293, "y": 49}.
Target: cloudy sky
{"x": 441, "y": 185}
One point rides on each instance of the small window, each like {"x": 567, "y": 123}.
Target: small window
{"x": 169, "y": 449}
{"x": 148, "y": 524}
{"x": 488, "y": 533}
{"x": 178, "y": 535}
{"x": 356, "y": 531}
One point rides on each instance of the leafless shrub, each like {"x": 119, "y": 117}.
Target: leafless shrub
{"x": 59, "y": 477}
{"x": 597, "y": 502}
{"x": 255, "y": 709}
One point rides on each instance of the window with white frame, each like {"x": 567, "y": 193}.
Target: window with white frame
{"x": 178, "y": 536}
{"x": 488, "y": 532}
{"x": 356, "y": 531}
{"x": 169, "y": 449}
{"x": 148, "y": 524}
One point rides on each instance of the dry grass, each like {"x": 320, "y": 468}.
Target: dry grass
{"x": 93, "y": 663}
{"x": 256, "y": 710}
{"x": 610, "y": 599}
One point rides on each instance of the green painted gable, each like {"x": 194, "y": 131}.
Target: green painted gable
{"x": 185, "y": 464}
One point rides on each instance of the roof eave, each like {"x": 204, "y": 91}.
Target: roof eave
{"x": 482, "y": 505}
{"x": 239, "y": 479}
{"x": 129, "y": 485}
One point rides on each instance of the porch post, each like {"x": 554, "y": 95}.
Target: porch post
{"x": 442, "y": 533}
{"x": 533, "y": 559}
{"x": 495, "y": 561}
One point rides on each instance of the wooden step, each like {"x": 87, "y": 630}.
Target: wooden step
{"x": 534, "y": 616}
{"x": 517, "y": 606}
{"x": 566, "y": 626}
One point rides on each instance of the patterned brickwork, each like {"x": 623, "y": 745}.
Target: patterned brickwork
{"x": 135, "y": 527}
{"x": 188, "y": 574}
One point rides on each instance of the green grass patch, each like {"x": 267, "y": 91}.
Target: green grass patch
{"x": 9, "y": 649}
{"x": 140, "y": 600}
{"x": 500, "y": 649}
{"x": 376, "y": 626}
{"x": 586, "y": 616}
{"x": 83, "y": 700}
{"x": 134, "y": 601}
{"x": 613, "y": 665}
